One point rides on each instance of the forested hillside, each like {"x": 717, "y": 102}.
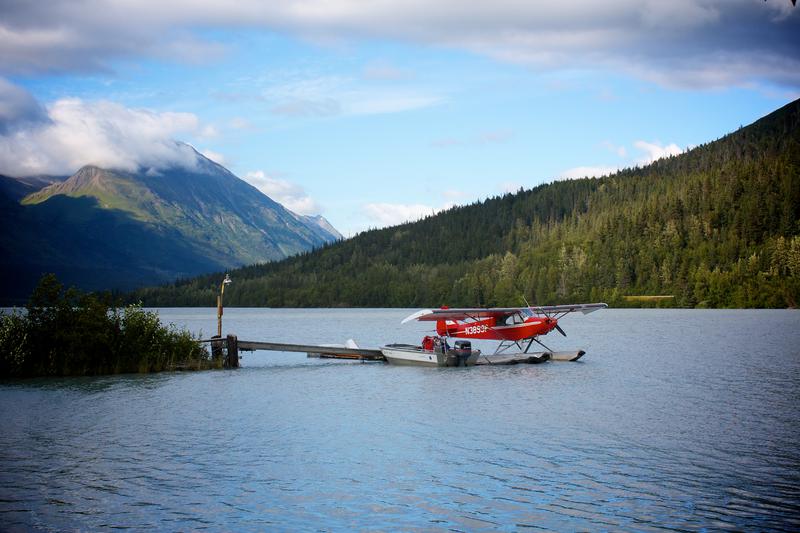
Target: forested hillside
{"x": 718, "y": 226}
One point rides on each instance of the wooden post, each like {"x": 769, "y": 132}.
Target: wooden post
{"x": 219, "y": 313}
{"x": 233, "y": 351}
{"x": 216, "y": 348}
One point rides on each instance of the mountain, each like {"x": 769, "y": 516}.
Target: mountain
{"x": 14, "y": 189}
{"x": 321, "y": 222}
{"x": 19, "y": 188}
{"x": 40, "y": 181}
{"x": 207, "y": 204}
{"x": 112, "y": 229}
{"x": 717, "y": 226}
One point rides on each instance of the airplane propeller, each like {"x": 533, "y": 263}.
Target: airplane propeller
{"x": 556, "y": 325}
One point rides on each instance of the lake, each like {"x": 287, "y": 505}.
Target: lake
{"x": 674, "y": 420}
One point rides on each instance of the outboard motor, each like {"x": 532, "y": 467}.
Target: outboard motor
{"x": 462, "y": 351}
{"x": 449, "y": 356}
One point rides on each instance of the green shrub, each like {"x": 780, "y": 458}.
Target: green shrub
{"x": 68, "y": 333}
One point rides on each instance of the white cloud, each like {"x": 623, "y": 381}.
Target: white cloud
{"x": 18, "y": 108}
{"x": 619, "y": 150}
{"x": 649, "y": 152}
{"x": 303, "y": 95}
{"x": 290, "y": 195}
{"x": 654, "y": 151}
{"x": 586, "y": 172}
{"x": 71, "y": 133}
{"x": 187, "y": 48}
{"x": 215, "y": 156}
{"x": 388, "y": 214}
{"x": 695, "y": 43}
{"x": 207, "y": 132}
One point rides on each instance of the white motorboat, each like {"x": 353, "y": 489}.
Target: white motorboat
{"x": 440, "y": 354}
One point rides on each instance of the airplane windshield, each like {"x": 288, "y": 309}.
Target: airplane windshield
{"x": 527, "y": 312}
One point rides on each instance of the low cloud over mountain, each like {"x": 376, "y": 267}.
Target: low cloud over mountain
{"x": 71, "y": 133}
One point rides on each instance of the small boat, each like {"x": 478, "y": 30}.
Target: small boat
{"x": 333, "y": 353}
{"x": 434, "y": 351}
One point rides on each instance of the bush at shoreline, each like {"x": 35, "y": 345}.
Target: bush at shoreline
{"x": 69, "y": 333}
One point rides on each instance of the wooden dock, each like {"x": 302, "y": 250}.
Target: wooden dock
{"x": 227, "y": 349}
{"x": 331, "y": 351}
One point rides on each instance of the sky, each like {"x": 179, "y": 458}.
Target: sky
{"x": 374, "y": 113}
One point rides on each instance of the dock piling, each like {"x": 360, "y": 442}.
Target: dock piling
{"x": 232, "y": 359}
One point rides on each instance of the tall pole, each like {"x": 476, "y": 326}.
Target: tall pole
{"x": 219, "y": 313}
{"x": 219, "y": 304}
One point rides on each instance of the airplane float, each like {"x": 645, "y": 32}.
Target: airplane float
{"x": 518, "y": 327}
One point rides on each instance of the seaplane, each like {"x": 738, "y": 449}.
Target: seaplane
{"x": 515, "y": 327}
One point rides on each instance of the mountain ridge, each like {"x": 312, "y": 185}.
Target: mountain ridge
{"x": 200, "y": 219}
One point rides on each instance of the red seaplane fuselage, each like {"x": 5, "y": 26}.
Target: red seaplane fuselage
{"x": 499, "y": 328}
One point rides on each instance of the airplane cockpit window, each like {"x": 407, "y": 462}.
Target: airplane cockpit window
{"x": 516, "y": 318}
